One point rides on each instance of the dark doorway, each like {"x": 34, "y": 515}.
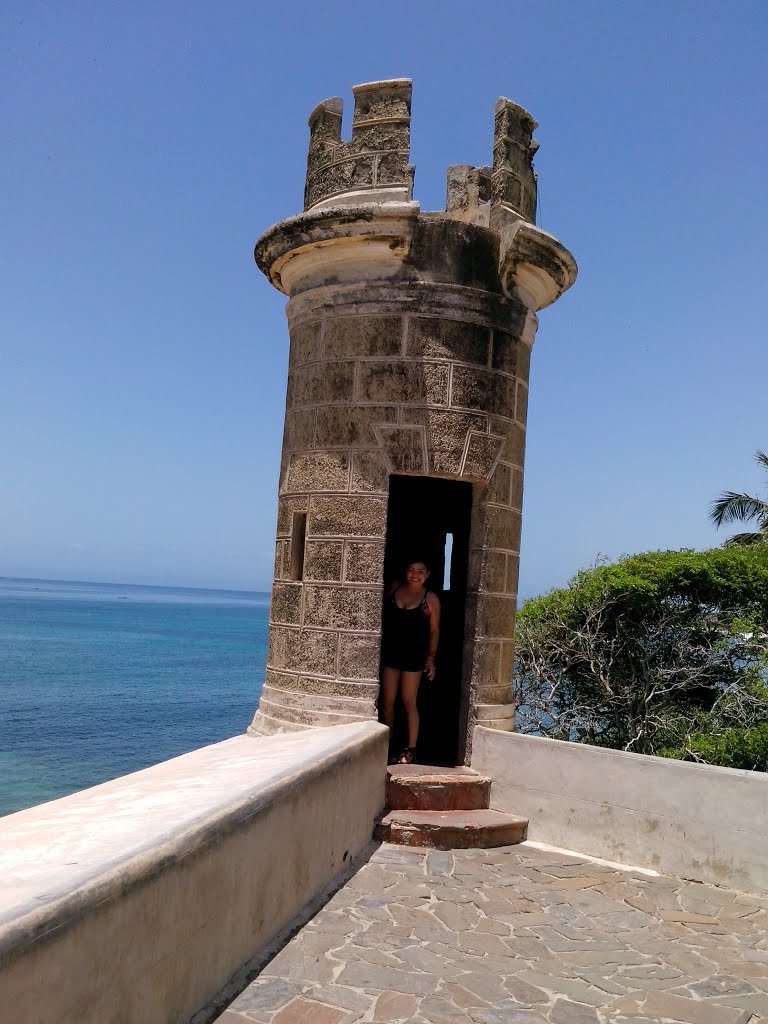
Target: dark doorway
{"x": 429, "y": 519}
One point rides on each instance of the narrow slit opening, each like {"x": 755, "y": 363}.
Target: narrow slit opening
{"x": 448, "y": 555}
{"x": 298, "y": 543}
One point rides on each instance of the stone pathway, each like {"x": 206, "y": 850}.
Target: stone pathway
{"x": 517, "y": 936}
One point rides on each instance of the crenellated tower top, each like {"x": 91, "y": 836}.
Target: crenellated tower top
{"x": 373, "y": 167}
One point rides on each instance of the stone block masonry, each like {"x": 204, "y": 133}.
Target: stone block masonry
{"x": 410, "y": 346}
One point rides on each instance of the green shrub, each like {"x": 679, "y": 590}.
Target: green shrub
{"x": 648, "y": 652}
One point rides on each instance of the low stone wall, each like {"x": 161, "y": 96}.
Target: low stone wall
{"x": 691, "y": 820}
{"x": 138, "y": 900}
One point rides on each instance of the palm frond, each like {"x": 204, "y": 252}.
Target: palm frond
{"x": 741, "y": 540}
{"x": 761, "y": 458}
{"x": 732, "y": 507}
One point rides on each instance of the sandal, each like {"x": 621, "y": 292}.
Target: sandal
{"x": 408, "y": 756}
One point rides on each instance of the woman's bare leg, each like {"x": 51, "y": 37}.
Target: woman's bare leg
{"x": 390, "y": 680}
{"x": 409, "y": 688}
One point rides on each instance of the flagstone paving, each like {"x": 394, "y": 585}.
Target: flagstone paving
{"x": 517, "y": 935}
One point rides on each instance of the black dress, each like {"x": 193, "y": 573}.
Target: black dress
{"x": 404, "y": 635}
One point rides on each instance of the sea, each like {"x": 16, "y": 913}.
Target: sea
{"x": 101, "y": 679}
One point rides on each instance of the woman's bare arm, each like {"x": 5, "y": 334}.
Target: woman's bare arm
{"x": 433, "y": 603}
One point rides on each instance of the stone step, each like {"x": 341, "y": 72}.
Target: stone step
{"x": 421, "y": 787}
{"x": 451, "y": 830}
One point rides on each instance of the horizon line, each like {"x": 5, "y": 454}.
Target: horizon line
{"x": 119, "y": 583}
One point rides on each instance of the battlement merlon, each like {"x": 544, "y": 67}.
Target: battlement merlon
{"x": 513, "y": 179}
{"x": 372, "y": 167}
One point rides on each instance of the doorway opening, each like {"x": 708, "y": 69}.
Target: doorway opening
{"x": 429, "y": 519}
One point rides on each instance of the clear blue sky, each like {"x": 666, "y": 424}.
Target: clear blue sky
{"x": 143, "y": 360}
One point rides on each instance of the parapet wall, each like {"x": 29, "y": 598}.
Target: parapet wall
{"x": 694, "y": 821}
{"x": 136, "y": 902}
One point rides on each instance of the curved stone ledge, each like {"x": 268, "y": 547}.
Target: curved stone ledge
{"x": 165, "y": 882}
{"x": 376, "y": 242}
{"x": 535, "y": 266}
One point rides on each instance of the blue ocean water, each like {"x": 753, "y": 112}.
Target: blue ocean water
{"x": 99, "y": 679}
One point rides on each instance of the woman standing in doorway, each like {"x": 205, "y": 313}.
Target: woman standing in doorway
{"x": 409, "y": 638}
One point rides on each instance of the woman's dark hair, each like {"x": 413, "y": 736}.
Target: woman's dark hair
{"x": 412, "y": 561}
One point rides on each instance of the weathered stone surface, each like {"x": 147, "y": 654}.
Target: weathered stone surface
{"x": 351, "y": 427}
{"x": 305, "y": 342}
{"x": 686, "y": 918}
{"x": 358, "y": 656}
{"x": 513, "y": 450}
{"x": 481, "y": 454}
{"x": 386, "y": 979}
{"x": 572, "y": 1013}
{"x": 435, "y": 790}
{"x": 509, "y": 354}
{"x": 452, "y": 830}
{"x": 364, "y": 688}
{"x": 286, "y": 507}
{"x": 499, "y": 693}
{"x": 500, "y": 485}
{"x": 269, "y": 995}
{"x": 496, "y": 527}
{"x": 476, "y": 389}
{"x": 353, "y": 336}
{"x": 302, "y": 1010}
{"x": 347, "y": 517}
{"x": 308, "y": 650}
{"x": 286, "y": 603}
{"x": 317, "y": 471}
{"x": 404, "y": 447}
{"x": 495, "y": 615}
{"x": 299, "y": 430}
{"x": 513, "y": 573}
{"x": 521, "y": 403}
{"x": 482, "y": 662}
{"x": 415, "y": 383}
{"x": 323, "y": 560}
{"x": 507, "y": 1012}
{"x": 370, "y": 473}
{"x": 282, "y": 560}
{"x": 488, "y": 571}
{"x": 437, "y": 338}
{"x": 693, "y": 1011}
{"x": 342, "y": 607}
{"x": 320, "y": 383}
{"x": 462, "y": 997}
{"x": 364, "y": 563}
{"x": 391, "y": 1006}
{"x": 447, "y": 433}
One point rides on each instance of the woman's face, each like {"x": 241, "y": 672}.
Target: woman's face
{"x": 416, "y": 574}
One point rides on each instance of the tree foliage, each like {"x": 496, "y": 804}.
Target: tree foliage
{"x": 655, "y": 653}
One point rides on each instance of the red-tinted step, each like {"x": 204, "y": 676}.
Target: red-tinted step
{"x": 426, "y": 788}
{"x": 452, "y": 830}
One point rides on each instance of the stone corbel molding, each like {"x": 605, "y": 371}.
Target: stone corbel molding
{"x": 533, "y": 266}
{"x": 338, "y": 245}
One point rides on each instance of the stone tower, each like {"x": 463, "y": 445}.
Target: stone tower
{"x": 410, "y": 340}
